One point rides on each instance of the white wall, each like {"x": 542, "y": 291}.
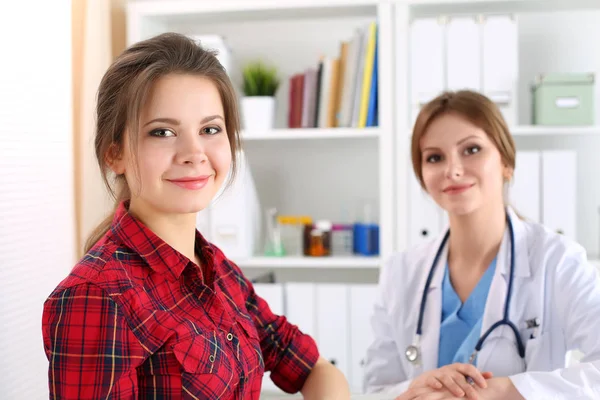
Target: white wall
{"x": 36, "y": 185}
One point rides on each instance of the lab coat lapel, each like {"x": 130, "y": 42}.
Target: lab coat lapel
{"x": 496, "y": 299}
{"x": 430, "y": 339}
{"x": 494, "y": 306}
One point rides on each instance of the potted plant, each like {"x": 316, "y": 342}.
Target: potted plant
{"x": 260, "y": 82}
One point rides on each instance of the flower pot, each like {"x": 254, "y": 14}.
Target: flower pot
{"x": 258, "y": 113}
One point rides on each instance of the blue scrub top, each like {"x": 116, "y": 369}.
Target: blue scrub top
{"x": 461, "y": 323}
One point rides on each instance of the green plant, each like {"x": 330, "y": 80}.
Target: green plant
{"x": 260, "y": 79}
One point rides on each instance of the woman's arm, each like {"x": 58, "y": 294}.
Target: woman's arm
{"x": 290, "y": 355}
{"x": 92, "y": 353}
{"x": 325, "y": 382}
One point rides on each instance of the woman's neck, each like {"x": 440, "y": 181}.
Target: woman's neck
{"x": 177, "y": 230}
{"x": 475, "y": 238}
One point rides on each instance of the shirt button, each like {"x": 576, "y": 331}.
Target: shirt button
{"x": 230, "y": 336}
{"x": 211, "y": 358}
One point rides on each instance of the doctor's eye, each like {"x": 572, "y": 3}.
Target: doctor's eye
{"x": 433, "y": 158}
{"x": 162, "y": 132}
{"x": 472, "y": 149}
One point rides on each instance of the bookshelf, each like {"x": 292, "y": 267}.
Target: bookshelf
{"x": 372, "y": 164}
{"x": 327, "y": 172}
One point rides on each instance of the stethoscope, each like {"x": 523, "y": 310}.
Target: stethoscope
{"x": 413, "y": 352}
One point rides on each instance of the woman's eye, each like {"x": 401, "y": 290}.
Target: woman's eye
{"x": 162, "y": 133}
{"x": 211, "y": 130}
{"x": 433, "y": 158}
{"x": 473, "y": 149}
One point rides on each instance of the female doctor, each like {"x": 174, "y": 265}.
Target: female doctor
{"x": 495, "y": 295}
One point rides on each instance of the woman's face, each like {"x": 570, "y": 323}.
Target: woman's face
{"x": 183, "y": 154}
{"x": 462, "y": 169}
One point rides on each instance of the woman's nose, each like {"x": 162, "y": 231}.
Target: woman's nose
{"x": 454, "y": 168}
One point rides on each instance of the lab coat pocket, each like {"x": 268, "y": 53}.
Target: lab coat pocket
{"x": 536, "y": 356}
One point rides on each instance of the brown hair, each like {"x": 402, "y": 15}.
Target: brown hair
{"x": 124, "y": 90}
{"x": 475, "y": 108}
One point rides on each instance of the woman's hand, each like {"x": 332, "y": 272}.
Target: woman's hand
{"x": 453, "y": 377}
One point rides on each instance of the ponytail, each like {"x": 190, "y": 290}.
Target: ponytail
{"x": 99, "y": 232}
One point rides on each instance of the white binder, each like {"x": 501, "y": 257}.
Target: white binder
{"x": 524, "y": 190}
{"x": 332, "y": 324}
{"x": 232, "y": 221}
{"x": 500, "y": 64}
{"x": 362, "y": 300}
{"x": 425, "y": 218}
{"x": 463, "y": 54}
{"x": 272, "y": 293}
{"x": 426, "y": 62}
{"x": 559, "y": 191}
{"x": 300, "y": 306}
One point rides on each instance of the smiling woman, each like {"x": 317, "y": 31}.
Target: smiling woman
{"x": 165, "y": 313}
{"x": 475, "y": 310}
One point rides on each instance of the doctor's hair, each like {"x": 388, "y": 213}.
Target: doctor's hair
{"x": 473, "y": 107}
{"x": 125, "y": 88}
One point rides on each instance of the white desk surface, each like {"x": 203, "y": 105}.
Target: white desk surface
{"x": 275, "y": 396}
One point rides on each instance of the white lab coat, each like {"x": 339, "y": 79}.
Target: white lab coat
{"x": 553, "y": 282}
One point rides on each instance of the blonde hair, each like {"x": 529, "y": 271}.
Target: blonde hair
{"x": 124, "y": 89}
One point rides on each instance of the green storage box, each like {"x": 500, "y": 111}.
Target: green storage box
{"x": 563, "y": 99}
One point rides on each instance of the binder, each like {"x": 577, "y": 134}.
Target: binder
{"x": 425, "y": 218}
{"x": 500, "y": 64}
{"x": 426, "y": 62}
{"x": 332, "y": 337}
{"x": 362, "y": 301}
{"x": 272, "y": 293}
{"x": 463, "y": 54}
{"x": 232, "y": 221}
{"x": 524, "y": 190}
{"x": 559, "y": 191}
{"x": 300, "y": 306}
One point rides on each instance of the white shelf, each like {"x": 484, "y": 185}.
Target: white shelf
{"x": 312, "y": 133}
{"x": 535, "y": 130}
{"x": 310, "y": 262}
{"x": 422, "y": 8}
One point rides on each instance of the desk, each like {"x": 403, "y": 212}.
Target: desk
{"x": 299, "y": 397}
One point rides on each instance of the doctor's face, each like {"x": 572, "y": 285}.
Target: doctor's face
{"x": 462, "y": 169}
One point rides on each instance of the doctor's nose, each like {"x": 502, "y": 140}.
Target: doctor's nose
{"x": 191, "y": 150}
{"x": 454, "y": 168}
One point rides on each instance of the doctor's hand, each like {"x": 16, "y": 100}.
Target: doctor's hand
{"x": 453, "y": 377}
{"x": 427, "y": 393}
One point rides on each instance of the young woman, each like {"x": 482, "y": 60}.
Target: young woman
{"x": 153, "y": 310}
{"x": 488, "y": 309}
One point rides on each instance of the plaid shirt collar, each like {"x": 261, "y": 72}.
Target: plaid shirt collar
{"x": 160, "y": 256}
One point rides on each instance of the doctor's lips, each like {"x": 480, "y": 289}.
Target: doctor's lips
{"x": 457, "y": 189}
{"x": 192, "y": 182}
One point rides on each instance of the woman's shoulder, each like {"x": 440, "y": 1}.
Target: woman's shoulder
{"x": 107, "y": 266}
{"x": 407, "y": 266}
{"x": 550, "y": 249}
{"x": 541, "y": 237}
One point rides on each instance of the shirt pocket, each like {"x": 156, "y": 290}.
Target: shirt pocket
{"x": 205, "y": 353}
{"x": 252, "y": 338}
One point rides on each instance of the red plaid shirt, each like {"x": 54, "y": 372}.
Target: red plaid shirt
{"x": 137, "y": 319}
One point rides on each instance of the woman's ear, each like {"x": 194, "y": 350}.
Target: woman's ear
{"x": 115, "y": 160}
